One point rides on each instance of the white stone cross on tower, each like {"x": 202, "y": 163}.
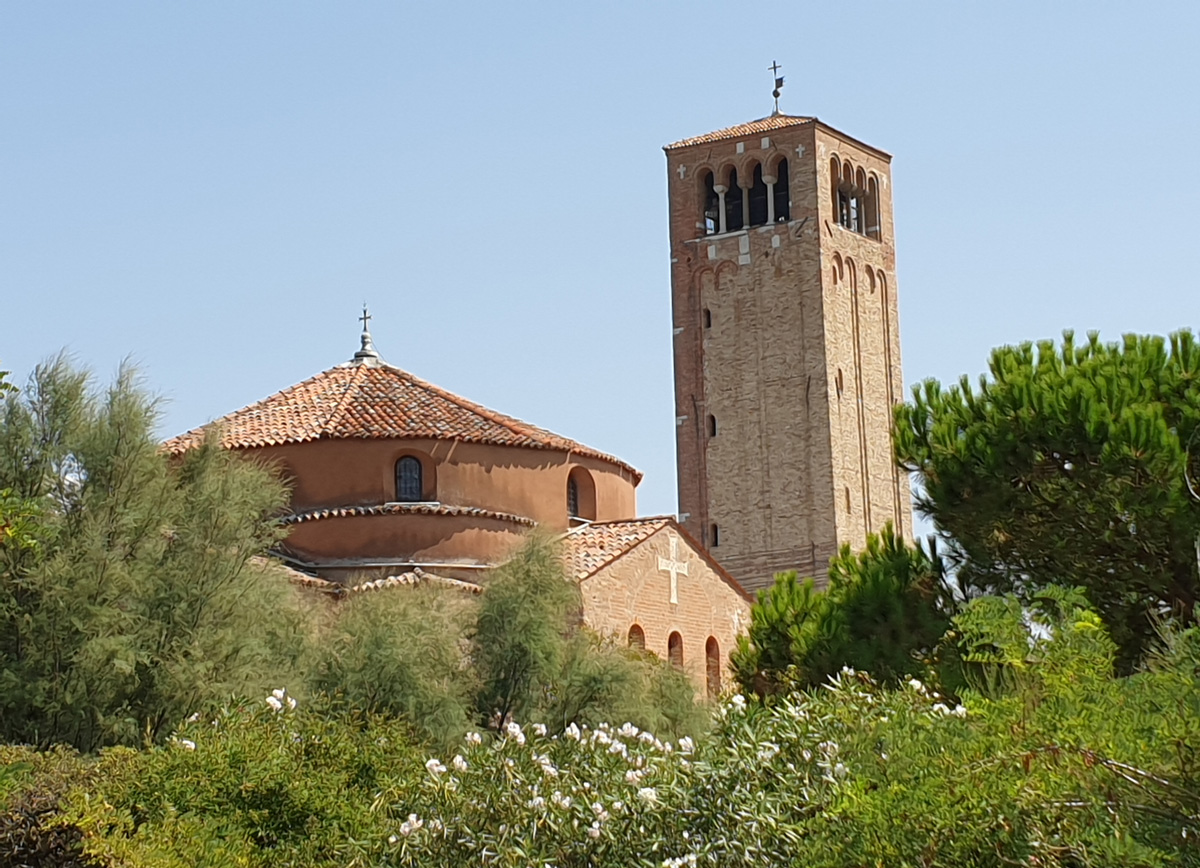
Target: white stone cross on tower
{"x": 675, "y": 567}
{"x": 682, "y": 170}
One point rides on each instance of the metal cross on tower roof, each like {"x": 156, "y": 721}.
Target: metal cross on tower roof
{"x": 774, "y": 69}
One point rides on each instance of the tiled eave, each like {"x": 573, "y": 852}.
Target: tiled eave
{"x": 408, "y": 509}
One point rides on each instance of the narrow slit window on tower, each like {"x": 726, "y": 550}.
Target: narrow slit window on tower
{"x": 733, "y": 204}
{"x": 707, "y": 318}
{"x": 758, "y": 198}
{"x": 848, "y": 509}
{"x": 714, "y": 536}
{"x": 712, "y": 426}
{"x": 783, "y": 197}
{"x": 712, "y": 205}
{"x": 408, "y": 480}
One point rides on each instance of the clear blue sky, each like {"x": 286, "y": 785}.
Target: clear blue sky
{"x": 212, "y": 189}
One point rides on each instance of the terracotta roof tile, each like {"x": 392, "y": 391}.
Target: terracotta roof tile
{"x": 592, "y": 546}
{"x": 753, "y": 128}
{"x": 370, "y": 402}
{"x": 417, "y": 577}
{"x": 408, "y": 509}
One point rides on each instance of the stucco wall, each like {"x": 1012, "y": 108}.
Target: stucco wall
{"x": 527, "y": 482}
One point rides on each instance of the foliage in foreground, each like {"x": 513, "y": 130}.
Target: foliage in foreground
{"x": 1053, "y": 762}
{"x": 1069, "y": 465}
{"x": 127, "y": 593}
{"x": 445, "y": 661}
{"x": 884, "y": 611}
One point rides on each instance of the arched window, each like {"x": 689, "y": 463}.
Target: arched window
{"x": 714, "y": 535}
{"x": 712, "y": 667}
{"x": 783, "y": 196}
{"x": 712, "y": 426}
{"x": 409, "y": 488}
{"x": 758, "y": 198}
{"x": 581, "y": 495}
{"x": 712, "y": 206}
{"x": 637, "y": 638}
{"x": 675, "y": 650}
{"x": 872, "y": 203}
{"x": 572, "y": 498}
{"x": 733, "y": 204}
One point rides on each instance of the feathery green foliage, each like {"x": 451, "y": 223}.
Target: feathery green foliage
{"x": 1069, "y": 464}
{"x": 137, "y": 603}
{"x": 400, "y": 653}
{"x": 1064, "y": 766}
{"x": 883, "y": 612}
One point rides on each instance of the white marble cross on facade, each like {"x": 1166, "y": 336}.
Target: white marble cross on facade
{"x": 682, "y": 170}
{"x": 675, "y": 567}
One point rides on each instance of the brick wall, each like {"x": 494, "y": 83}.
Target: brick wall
{"x": 801, "y": 459}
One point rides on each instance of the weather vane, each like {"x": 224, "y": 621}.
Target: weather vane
{"x": 774, "y": 68}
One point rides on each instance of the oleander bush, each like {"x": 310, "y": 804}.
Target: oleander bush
{"x": 1049, "y": 760}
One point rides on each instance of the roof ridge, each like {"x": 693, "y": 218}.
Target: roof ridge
{"x": 517, "y": 426}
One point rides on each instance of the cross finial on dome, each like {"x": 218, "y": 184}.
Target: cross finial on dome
{"x": 366, "y": 354}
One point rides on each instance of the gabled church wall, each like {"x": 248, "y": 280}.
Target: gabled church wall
{"x": 633, "y": 589}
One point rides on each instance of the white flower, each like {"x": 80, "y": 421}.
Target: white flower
{"x": 940, "y": 708}
{"x": 539, "y": 729}
{"x": 807, "y": 754}
{"x": 412, "y": 824}
{"x": 916, "y": 685}
{"x": 279, "y": 693}
{"x": 597, "y": 808}
{"x": 648, "y": 794}
{"x": 959, "y": 711}
{"x": 274, "y": 703}
{"x": 187, "y": 744}
{"x": 392, "y": 839}
{"x": 561, "y": 801}
{"x": 513, "y": 731}
{"x": 767, "y": 752}
{"x": 738, "y": 701}
{"x": 686, "y": 745}
{"x": 601, "y": 737}
{"x": 594, "y": 830}
{"x": 618, "y": 747}
{"x": 537, "y": 803}
{"x": 195, "y": 716}
{"x": 840, "y": 770}
{"x": 647, "y": 737}
{"x": 628, "y": 730}
{"x": 633, "y": 776}
{"x": 474, "y": 738}
{"x": 459, "y": 763}
{"x": 572, "y": 732}
{"x": 291, "y": 703}
{"x": 435, "y": 767}
{"x": 618, "y": 806}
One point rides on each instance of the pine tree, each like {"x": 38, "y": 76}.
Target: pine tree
{"x": 1069, "y": 465}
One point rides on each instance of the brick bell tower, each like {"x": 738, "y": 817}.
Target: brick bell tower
{"x": 787, "y": 344}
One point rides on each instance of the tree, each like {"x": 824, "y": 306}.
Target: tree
{"x": 139, "y": 602}
{"x": 400, "y": 653}
{"x": 1069, "y": 465}
{"x": 883, "y": 612}
{"x": 536, "y": 662}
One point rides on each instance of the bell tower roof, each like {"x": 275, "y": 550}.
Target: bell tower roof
{"x": 751, "y": 128}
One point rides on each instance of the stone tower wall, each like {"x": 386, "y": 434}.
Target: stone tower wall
{"x": 761, "y": 332}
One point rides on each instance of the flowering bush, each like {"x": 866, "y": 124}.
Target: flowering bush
{"x": 1060, "y": 765}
